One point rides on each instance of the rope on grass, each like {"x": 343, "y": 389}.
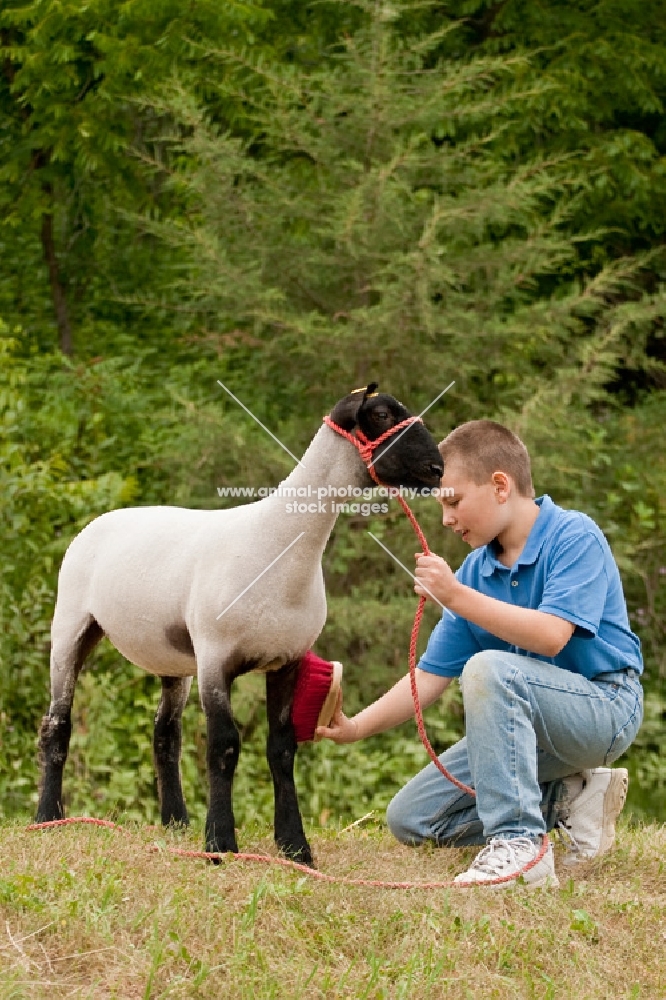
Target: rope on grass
{"x": 293, "y": 865}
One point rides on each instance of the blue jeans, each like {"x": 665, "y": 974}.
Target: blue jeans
{"x": 529, "y": 724}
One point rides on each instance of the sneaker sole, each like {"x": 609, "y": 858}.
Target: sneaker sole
{"x": 614, "y": 800}
{"x": 549, "y": 881}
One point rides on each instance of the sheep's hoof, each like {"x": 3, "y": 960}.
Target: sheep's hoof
{"x": 301, "y": 855}
{"x": 48, "y": 815}
{"x": 176, "y": 823}
{"x": 218, "y": 861}
{"x": 215, "y": 846}
{"x": 49, "y": 811}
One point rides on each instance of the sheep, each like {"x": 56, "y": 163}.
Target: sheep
{"x": 164, "y": 584}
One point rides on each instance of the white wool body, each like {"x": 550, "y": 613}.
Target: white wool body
{"x": 217, "y": 593}
{"x": 158, "y": 578}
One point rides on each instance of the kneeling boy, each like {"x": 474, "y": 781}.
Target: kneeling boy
{"x": 535, "y": 624}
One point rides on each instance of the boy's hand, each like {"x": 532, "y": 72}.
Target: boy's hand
{"x": 340, "y": 729}
{"x": 434, "y": 578}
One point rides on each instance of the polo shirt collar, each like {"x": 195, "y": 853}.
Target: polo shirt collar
{"x": 537, "y": 536}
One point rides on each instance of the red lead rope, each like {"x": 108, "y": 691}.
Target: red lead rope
{"x": 268, "y": 859}
{"x": 366, "y": 448}
{"x": 418, "y": 714}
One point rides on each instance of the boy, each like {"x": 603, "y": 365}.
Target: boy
{"x": 536, "y": 627}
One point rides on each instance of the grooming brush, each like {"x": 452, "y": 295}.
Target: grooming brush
{"x": 315, "y": 696}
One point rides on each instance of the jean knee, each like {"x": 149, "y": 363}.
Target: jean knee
{"x": 398, "y": 821}
{"x": 480, "y": 671}
{"x": 627, "y": 734}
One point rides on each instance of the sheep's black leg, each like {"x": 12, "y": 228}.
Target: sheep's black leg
{"x": 54, "y": 735}
{"x": 56, "y": 728}
{"x": 166, "y": 749}
{"x": 281, "y": 752}
{"x": 222, "y": 756}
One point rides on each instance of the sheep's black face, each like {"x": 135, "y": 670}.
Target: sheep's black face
{"x": 410, "y": 458}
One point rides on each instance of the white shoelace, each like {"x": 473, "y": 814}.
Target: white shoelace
{"x": 500, "y": 857}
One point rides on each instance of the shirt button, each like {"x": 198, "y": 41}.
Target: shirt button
{"x": 514, "y": 583}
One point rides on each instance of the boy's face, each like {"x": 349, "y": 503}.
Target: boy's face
{"x": 477, "y": 513}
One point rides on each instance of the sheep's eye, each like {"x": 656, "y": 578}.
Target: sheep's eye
{"x": 382, "y": 414}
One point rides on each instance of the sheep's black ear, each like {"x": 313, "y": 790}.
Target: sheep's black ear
{"x": 345, "y": 412}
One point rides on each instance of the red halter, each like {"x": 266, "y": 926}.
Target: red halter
{"x": 365, "y": 446}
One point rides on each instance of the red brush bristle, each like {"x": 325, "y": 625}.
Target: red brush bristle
{"x": 312, "y": 688}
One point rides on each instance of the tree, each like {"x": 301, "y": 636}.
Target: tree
{"x": 70, "y": 126}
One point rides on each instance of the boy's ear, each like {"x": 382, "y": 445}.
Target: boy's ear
{"x": 345, "y": 412}
{"x": 502, "y": 485}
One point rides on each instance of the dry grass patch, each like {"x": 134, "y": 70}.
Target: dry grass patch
{"x": 87, "y": 912}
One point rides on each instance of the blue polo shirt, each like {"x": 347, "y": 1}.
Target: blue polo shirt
{"x": 566, "y": 569}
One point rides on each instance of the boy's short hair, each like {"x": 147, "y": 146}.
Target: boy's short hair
{"x": 484, "y": 447}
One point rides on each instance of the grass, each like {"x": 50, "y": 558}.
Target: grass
{"x": 89, "y": 912}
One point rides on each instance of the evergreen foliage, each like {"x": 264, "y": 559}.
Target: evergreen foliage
{"x": 295, "y": 199}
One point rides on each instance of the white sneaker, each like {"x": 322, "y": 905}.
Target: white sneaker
{"x": 508, "y": 857}
{"x": 593, "y": 800}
